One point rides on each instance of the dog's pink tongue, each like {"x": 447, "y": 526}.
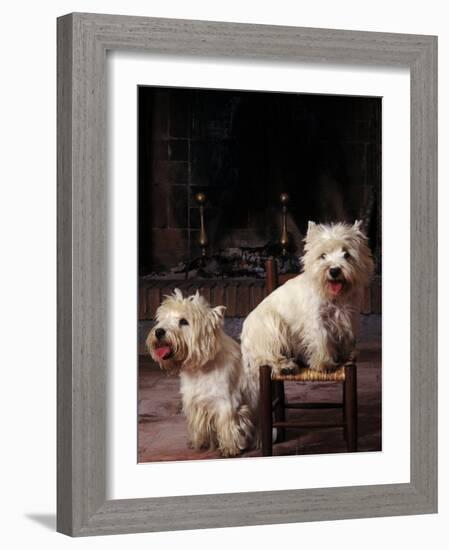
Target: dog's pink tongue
{"x": 335, "y": 287}
{"x": 162, "y": 352}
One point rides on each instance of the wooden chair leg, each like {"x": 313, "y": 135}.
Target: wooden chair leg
{"x": 350, "y": 407}
{"x": 266, "y": 415}
{"x": 279, "y": 409}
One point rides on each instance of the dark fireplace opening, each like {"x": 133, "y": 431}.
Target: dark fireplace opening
{"x": 242, "y": 150}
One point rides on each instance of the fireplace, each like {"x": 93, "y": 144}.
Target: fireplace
{"x": 242, "y": 150}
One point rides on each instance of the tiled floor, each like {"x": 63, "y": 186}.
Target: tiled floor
{"x": 162, "y": 430}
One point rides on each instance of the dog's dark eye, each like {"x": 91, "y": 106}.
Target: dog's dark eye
{"x": 346, "y": 255}
{"x": 183, "y": 322}
{"x": 322, "y": 256}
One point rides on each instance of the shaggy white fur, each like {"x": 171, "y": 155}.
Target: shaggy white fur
{"x": 311, "y": 319}
{"x": 188, "y": 338}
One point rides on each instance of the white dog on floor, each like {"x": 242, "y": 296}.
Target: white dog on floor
{"x": 312, "y": 318}
{"x": 188, "y": 338}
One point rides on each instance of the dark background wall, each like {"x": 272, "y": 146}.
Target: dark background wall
{"x": 242, "y": 149}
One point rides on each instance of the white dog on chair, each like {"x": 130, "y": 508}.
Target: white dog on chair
{"x": 188, "y": 338}
{"x": 312, "y": 318}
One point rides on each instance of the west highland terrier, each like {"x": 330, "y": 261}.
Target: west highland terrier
{"x": 312, "y": 318}
{"x": 188, "y": 338}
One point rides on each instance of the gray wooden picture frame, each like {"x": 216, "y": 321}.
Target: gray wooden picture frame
{"x": 83, "y": 40}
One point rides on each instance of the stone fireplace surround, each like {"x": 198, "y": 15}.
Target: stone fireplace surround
{"x": 242, "y": 149}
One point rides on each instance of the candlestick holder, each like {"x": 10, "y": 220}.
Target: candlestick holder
{"x": 285, "y": 239}
{"x": 200, "y": 199}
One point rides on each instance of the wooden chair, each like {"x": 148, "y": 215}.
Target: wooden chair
{"x": 273, "y": 404}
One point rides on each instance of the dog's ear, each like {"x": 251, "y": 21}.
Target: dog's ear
{"x": 177, "y": 295}
{"x": 359, "y": 228}
{"x": 312, "y": 228}
{"x": 219, "y": 310}
{"x": 218, "y": 314}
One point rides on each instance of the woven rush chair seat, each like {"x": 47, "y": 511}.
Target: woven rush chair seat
{"x": 308, "y": 375}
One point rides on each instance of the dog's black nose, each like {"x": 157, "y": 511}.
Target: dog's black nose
{"x": 159, "y": 333}
{"x": 334, "y": 272}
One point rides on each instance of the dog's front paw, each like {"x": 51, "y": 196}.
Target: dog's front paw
{"x": 285, "y": 368}
{"x": 231, "y": 452}
{"x": 290, "y": 370}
